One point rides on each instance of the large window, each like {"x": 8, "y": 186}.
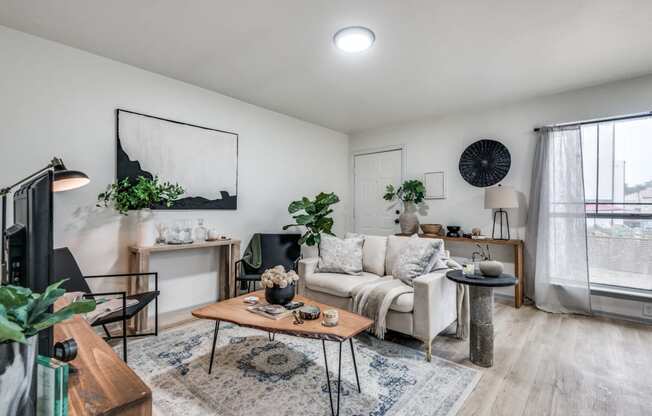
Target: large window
{"x": 617, "y": 158}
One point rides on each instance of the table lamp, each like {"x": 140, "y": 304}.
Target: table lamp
{"x": 500, "y": 197}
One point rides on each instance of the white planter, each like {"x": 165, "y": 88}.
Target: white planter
{"x": 17, "y": 378}
{"x": 408, "y": 220}
{"x": 145, "y": 228}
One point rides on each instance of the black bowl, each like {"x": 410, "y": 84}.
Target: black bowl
{"x": 453, "y": 228}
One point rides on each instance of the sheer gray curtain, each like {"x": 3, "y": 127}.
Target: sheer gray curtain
{"x": 556, "y": 246}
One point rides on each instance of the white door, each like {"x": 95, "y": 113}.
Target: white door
{"x": 372, "y": 173}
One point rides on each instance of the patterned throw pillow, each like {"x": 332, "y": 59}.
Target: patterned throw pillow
{"x": 416, "y": 258}
{"x": 338, "y": 255}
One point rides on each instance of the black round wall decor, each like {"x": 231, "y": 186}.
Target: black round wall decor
{"x": 485, "y": 163}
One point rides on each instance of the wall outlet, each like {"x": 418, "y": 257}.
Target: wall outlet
{"x": 647, "y": 309}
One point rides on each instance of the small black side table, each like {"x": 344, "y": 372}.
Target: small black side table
{"x": 481, "y": 299}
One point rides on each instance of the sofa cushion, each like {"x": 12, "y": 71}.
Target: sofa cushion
{"x": 337, "y": 284}
{"x": 403, "y": 303}
{"x": 416, "y": 258}
{"x": 340, "y": 255}
{"x": 394, "y": 246}
{"x": 374, "y": 250}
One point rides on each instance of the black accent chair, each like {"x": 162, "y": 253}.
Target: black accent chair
{"x": 275, "y": 249}
{"x": 65, "y": 267}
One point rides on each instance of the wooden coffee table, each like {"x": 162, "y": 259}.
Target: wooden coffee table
{"x": 235, "y": 311}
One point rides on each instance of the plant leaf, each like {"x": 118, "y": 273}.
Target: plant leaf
{"x": 80, "y": 306}
{"x": 10, "y": 331}
{"x": 295, "y": 206}
{"x": 43, "y": 301}
{"x": 304, "y": 219}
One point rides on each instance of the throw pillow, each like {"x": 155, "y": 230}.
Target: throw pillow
{"x": 438, "y": 261}
{"x": 395, "y": 245}
{"x": 338, "y": 255}
{"x": 374, "y": 251}
{"x": 416, "y": 258}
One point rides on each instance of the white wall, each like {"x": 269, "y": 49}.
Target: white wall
{"x": 436, "y": 144}
{"x": 56, "y": 100}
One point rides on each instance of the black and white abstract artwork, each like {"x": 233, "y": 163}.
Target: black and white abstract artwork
{"x": 202, "y": 160}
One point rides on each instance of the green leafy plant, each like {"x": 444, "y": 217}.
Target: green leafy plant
{"x": 411, "y": 191}
{"x": 127, "y": 194}
{"x": 24, "y": 314}
{"x": 314, "y": 215}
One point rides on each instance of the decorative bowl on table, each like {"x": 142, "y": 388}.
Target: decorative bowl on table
{"x": 491, "y": 268}
{"x": 454, "y": 230}
{"x": 279, "y": 285}
{"x": 309, "y": 312}
{"x": 434, "y": 229}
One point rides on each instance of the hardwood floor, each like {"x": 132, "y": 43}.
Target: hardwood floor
{"x": 552, "y": 364}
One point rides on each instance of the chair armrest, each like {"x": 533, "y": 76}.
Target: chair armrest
{"x": 99, "y": 276}
{"x": 435, "y": 304}
{"x": 306, "y": 268}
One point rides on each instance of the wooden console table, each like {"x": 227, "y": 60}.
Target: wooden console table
{"x": 519, "y": 266}
{"x": 103, "y": 383}
{"x": 228, "y": 251}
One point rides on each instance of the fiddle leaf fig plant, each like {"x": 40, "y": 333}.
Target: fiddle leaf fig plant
{"x": 410, "y": 191}
{"x": 142, "y": 193}
{"x": 24, "y": 314}
{"x": 314, "y": 215}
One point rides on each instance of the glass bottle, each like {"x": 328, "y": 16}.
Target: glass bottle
{"x": 201, "y": 232}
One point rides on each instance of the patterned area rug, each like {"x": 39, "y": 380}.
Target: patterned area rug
{"x": 255, "y": 376}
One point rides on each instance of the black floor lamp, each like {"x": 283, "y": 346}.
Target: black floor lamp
{"x": 500, "y": 197}
{"x": 64, "y": 180}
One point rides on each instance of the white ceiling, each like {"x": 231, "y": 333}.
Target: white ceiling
{"x": 430, "y": 57}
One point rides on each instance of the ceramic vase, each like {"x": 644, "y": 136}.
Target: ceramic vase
{"x": 279, "y": 295}
{"x": 18, "y": 378}
{"x": 491, "y": 268}
{"x": 408, "y": 219}
{"x": 145, "y": 228}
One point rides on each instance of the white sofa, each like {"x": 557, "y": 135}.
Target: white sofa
{"x": 423, "y": 314}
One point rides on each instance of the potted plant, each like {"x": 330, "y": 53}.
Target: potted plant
{"x": 23, "y": 315}
{"x": 314, "y": 215}
{"x": 279, "y": 285}
{"x": 411, "y": 193}
{"x": 140, "y": 195}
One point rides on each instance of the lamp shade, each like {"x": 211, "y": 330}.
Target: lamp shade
{"x": 66, "y": 180}
{"x": 500, "y": 197}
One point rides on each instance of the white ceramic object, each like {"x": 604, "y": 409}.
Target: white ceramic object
{"x": 145, "y": 228}
{"x": 491, "y": 268}
{"x": 213, "y": 234}
{"x": 408, "y": 219}
{"x": 331, "y": 317}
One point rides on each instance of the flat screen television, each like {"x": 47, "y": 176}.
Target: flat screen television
{"x": 30, "y": 243}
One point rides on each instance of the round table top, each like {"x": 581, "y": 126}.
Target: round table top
{"x": 479, "y": 280}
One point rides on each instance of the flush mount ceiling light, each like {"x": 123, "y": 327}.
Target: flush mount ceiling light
{"x": 354, "y": 39}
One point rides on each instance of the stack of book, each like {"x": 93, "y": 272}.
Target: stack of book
{"x": 274, "y": 312}
{"x": 52, "y": 387}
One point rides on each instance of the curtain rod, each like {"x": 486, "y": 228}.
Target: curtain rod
{"x": 599, "y": 120}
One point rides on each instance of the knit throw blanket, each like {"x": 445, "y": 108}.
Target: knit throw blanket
{"x": 373, "y": 300}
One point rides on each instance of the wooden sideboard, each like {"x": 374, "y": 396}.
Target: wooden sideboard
{"x": 519, "y": 267}
{"x": 103, "y": 384}
{"x": 228, "y": 251}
